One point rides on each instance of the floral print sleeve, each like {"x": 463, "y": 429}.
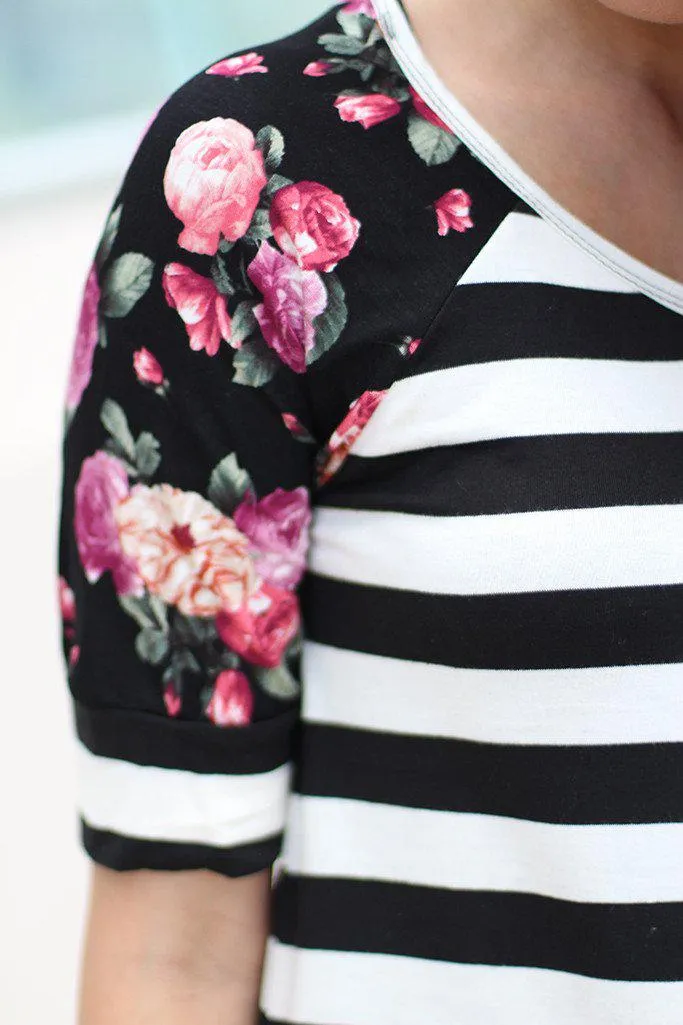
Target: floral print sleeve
{"x": 249, "y": 304}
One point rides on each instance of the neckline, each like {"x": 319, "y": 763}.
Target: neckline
{"x": 400, "y": 37}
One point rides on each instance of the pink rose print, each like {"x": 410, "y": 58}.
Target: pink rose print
{"x": 262, "y": 628}
{"x": 85, "y": 341}
{"x": 147, "y": 367}
{"x": 359, "y": 7}
{"x": 245, "y": 64}
{"x": 368, "y": 110}
{"x": 200, "y": 305}
{"x": 341, "y": 442}
{"x": 172, "y": 699}
{"x": 232, "y": 701}
{"x": 413, "y": 345}
{"x": 186, "y": 551}
{"x": 453, "y": 211}
{"x": 277, "y": 527}
{"x": 313, "y": 225}
{"x": 296, "y": 428}
{"x": 212, "y": 182}
{"x": 67, "y": 602}
{"x": 101, "y": 487}
{"x": 426, "y": 112}
{"x": 292, "y": 298}
{"x": 316, "y": 69}
{"x": 74, "y": 655}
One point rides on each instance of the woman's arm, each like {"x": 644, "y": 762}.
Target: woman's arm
{"x": 173, "y": 947}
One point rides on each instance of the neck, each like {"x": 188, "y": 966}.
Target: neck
{"x": 584, "y": 35}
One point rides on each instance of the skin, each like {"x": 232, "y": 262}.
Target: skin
{"x": 576, "y": 92}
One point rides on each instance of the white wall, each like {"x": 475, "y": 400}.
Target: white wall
{"x": 46, "y": 248}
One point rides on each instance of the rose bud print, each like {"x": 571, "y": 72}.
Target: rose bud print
{"x": 367, "y": 110}
{"x": 316, "y": 69}
{"x": 172, "y": 699}
{"x": 313, "y": 225}
{"x": 101, "y": 487}
{"x": 292, "y": 299}
{"x": 262, "y": 628}
{"x": 147, "y": 367}
{"x": 67, "y": 602}
{"x": 245, "y": 64}
{"x": 232, "y": 701}
{"x": 359, "y": 7}
{"x": 453, "y": 211}
{"x": 85, "y": 341}
{"x": 74, "y": 655}
{"x": 277, "y": 527}
{"x": 186, "y": 551}
{"x": 425, "y": 111}
{"x": 296, "y": 428}
{"x": 213, "y": 181}
{"x": 200, "y": 305}
{"x": 342, "y": 440}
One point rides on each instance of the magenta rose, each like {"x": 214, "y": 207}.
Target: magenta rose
{"x": 343, "y": 438}
{"x": 277, "y": 527}
{"x": 313, "y": 225}
{"x": 245, "y": 64}
{"x": 147, "y": 367}
{"x": 85, "y": 341}
{"x": 101, "y": 485}
{"x": 292, "y": 298}
{"x": 369, "y": 110}
{"x": 425, "y": 111}
{"x": 212, "y": 182}
{"x": 232, "y": 702}
{"x": 200, "y": 305}
{"x": 453, "y": 211}
{"x": 261, "y": 629}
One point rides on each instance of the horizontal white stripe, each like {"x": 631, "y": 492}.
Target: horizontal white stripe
{"x": 330, "y": 836}
{"x": 615, "y": 546}
{"x": 150, "y": 803}
{"x": 594, "y": 705}
{"x": 527, "y": 248}
{"x": 346, "y": 988}
{"x": 524, "y": 397}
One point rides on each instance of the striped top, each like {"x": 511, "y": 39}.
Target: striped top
{"x": 371, "y": 548}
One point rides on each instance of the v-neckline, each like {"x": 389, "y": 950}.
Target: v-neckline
{"x": 398, "y": 32}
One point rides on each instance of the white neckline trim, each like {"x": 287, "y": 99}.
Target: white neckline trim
{"x": 408, "y": 53}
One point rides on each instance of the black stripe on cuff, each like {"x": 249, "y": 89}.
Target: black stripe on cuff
{"x": 147, "y": 739}
{"x": 125, "y": 853}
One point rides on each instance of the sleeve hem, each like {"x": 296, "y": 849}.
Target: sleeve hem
{"x": 148, "y": 739}
{"x": 124, "y": 853}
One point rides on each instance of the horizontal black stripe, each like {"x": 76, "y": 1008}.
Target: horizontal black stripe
{"x": 576, "y": 784}
{"x": 539, "y": 630}
{"x": 124, "y": 853}
{"x": 147, "y": 739}
{"x": 568, "y": 471}
{"x": 508, "y": 320}
{"x": 635, "y": 942}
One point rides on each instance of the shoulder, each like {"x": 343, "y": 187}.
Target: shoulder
{"x": 309, "y": 169}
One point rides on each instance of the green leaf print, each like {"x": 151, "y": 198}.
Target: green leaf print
{"x": 114, "y": 421}
{"x": 330, "y": 323}
{"x": 125, "y": 283}
{"x": 244, "y": 322}
{"x": 228, "y": 485}
{"x": 108, "y": 236}
{"x": 254, "y": 363}
{"x": 277, "y": 682}
{"x": 272, "y": 144}
{"x": 432, "y": 144}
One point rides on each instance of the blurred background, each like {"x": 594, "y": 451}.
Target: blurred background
{"x": 79, "y": 79}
